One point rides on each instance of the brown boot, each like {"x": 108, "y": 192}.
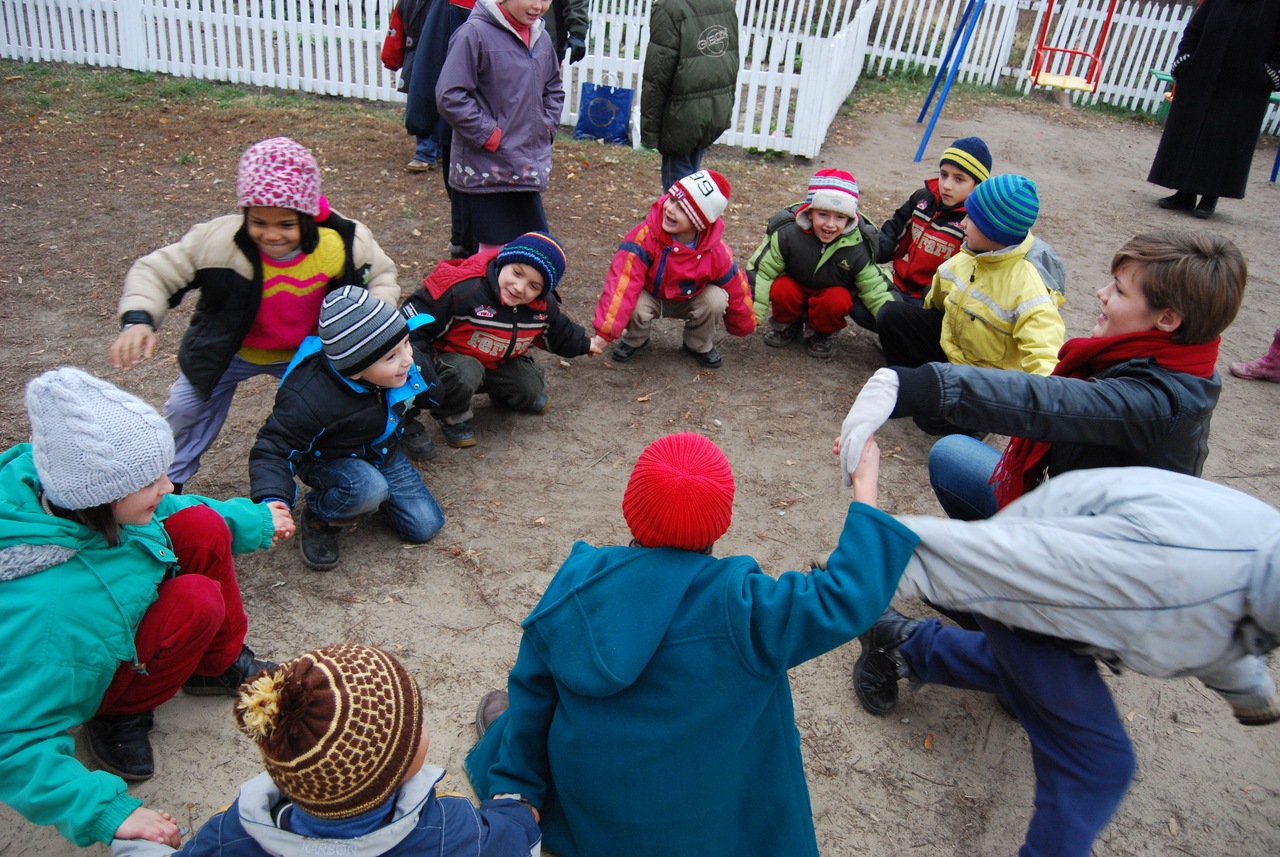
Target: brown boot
{"x": 494, "y": 703}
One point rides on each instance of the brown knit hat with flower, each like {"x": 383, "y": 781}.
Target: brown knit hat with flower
{"x": 338, "y": 727}
{"x": 680, "y": 494}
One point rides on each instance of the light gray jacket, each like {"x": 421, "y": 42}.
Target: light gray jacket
{"x": 1165, "y": 574}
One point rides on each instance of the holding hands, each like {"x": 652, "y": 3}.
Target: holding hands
{"x": 870, "y": 410}
{"x": 151, "y": 825}
{"x": 282, "y": 522}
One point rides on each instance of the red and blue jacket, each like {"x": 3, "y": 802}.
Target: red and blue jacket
{"x": 920, "y": 236}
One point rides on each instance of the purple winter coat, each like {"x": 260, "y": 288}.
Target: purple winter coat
{"x": 491, "y": 80}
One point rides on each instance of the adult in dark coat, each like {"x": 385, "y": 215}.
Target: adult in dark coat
{"x": 1227, "y": 65}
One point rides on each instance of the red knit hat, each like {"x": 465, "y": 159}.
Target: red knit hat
{"x": 704, "y": 195}
{"x": 680, "y": 494}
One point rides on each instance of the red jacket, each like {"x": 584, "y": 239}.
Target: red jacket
{"x": 920, "y": 236}
{"x": 648, "y": 259}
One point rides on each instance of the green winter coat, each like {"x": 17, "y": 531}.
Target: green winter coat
{"x": 690, "y": 74}
{"x": 71, "y": 608}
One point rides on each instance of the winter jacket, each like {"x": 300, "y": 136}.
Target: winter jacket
{"x": 566, "y": 18}
{"x": 320, "y": 415}
{"x": 1000, "y": 309}
{"x": 1227, "y": 65}
{"x": 1133, "y": 413}
{"x": 462, "y": 299}
{"x": 413, "y": 13}
{"x": 791, "y": 248}
{"x": 690, "y": 75}
{"x": 423, "y": 822}
{"x": 491, "y": 81}
{"x": 1166, "y": 574}
{"x": 72, "y": 606}
{"x": 649, "y": 259}
{"x": 650, "y": 706}
{"x": 220, "y": 260}
{"x": 444, "y": 17}
{"x": 920, "y": 236}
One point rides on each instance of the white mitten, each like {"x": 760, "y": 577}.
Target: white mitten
{"x": 873, "y": 406}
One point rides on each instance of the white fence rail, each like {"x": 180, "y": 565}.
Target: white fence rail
{"x": 800, "y": 58}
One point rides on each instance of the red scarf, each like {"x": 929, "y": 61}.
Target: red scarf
{"x": 1023, "y": 462}
{"x": 522, "y": 31}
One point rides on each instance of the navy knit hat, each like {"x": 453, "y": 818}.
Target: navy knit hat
{"x": 539, "y": 250}
{"x": 1004, "y": 208}
{"x": 356, "y": 329}
{"x": 971, "y": 155}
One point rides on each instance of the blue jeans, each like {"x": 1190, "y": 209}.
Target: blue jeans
{"x": 427, "y": 149}
{"x": 960, "y": 469}
{"x": 350, "y": 487}
{"x": 676, "y": 167}
{"x": 1081, "y": 753}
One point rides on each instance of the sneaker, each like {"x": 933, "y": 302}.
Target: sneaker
{"x": 492, "y": 705}
{"x": 540, "y": 405}
{"x": 779, "y": 335}
{"x": 819, "y": 346}
{"x": 416, "y": 442}
{"x": 623, "y": 352}
{"x": 1180, "y": 201}
{"x": 458, "y": 435}
{"x": 245, "y": 666}
{"x": 878, "y": 668}
{"x": 318, "y": 542}
{"x": 1265, "y": 368}
{"x": 120, "y": 744}
{"x": 706, "y": 359}
{"x": 419, "y": 166}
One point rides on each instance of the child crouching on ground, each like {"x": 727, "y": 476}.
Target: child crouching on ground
{"x": 815, "y": 267}
{"x": 927, "y": 229}
{"x": 676, "y": 265}
{"x": 484, "y": 315}
{"x": 337, "y": 423}
{"x": 342, "y": 739}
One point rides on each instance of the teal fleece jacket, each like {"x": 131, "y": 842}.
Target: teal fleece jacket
{"x": 71, "y": 608}
{"x": 650, "y": 707}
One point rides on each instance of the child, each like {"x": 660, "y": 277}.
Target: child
{"x": 662, "y": 626}
{"x": 816, "y": 267}
{"x": 1139, "y": 391}
{"x": 1265, "y": 368}
{"x": 344, "y": 746}
{"x": 499, "y": 89}
{"x": 675, "y": 264}
{"x": 993, "y": 304}
{"x": 261, "y": 274}
{"x": 116, "y": 594}
{"x": 337, "y": 425}
{"x": 486, "y": 314}
{"x": 1162, "y": 573}
{"x": 926, "y": 231}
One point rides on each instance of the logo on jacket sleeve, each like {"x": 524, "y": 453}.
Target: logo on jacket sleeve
{"x": 714, "y": 41}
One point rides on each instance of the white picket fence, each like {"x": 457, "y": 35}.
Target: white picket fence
{"x": 800, "y": 58}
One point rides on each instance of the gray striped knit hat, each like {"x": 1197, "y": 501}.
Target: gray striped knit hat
{"x": 1004, "y": 208}
{"x": 356, "y": 329}
{"x": 93, "y": 443}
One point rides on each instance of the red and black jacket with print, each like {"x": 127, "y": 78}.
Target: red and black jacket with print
{"x": 920, "y": 236}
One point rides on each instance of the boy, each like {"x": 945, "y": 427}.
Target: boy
{"x": 926, "y": 231}
{"x": 489, "y": 312}
{"x": 815, "y": 267}
{"x": 993, "y": 304}
{"x": 1162, "y": 573}
{"x": 676, "y": 264}
{"x": 342, "y": 739}
{"x": 1139, "y": 391}
{"x": 663, "y": 626}
{"x": 337, "y": 424}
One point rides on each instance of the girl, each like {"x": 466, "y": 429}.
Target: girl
{"x": 261, "y": 274}
{"x": 116, "y": 595}
{"x": 500, "y": 91}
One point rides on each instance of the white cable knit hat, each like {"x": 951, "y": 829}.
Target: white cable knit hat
{"x": 92, "y": 442}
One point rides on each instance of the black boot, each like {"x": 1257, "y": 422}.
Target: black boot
{"x": 318, "y": 542}
{"x": 228, "y": 684}
{"x": 1181, "y": 201}
{"x": 120, "y": 744}
{"x": 1206, "y": 207}
{"x": 878, "y": 668}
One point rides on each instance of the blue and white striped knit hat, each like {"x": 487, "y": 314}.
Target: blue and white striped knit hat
{"x": 1005, "y": 208}
{"x": 356, "y": 329}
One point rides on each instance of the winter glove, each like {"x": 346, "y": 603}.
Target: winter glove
{"x": 1178, "y": 62}
{"x": 873, "y": 406}
{"x": 1273, "y": 75}
{"x": 1270, "y": 713}
{"x": 577, "y": 49}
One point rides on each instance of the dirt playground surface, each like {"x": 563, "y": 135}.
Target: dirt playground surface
{"x": 948, "y": 773}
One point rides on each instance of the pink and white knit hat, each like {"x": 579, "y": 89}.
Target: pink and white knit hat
{"x": 280, "y": 173}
